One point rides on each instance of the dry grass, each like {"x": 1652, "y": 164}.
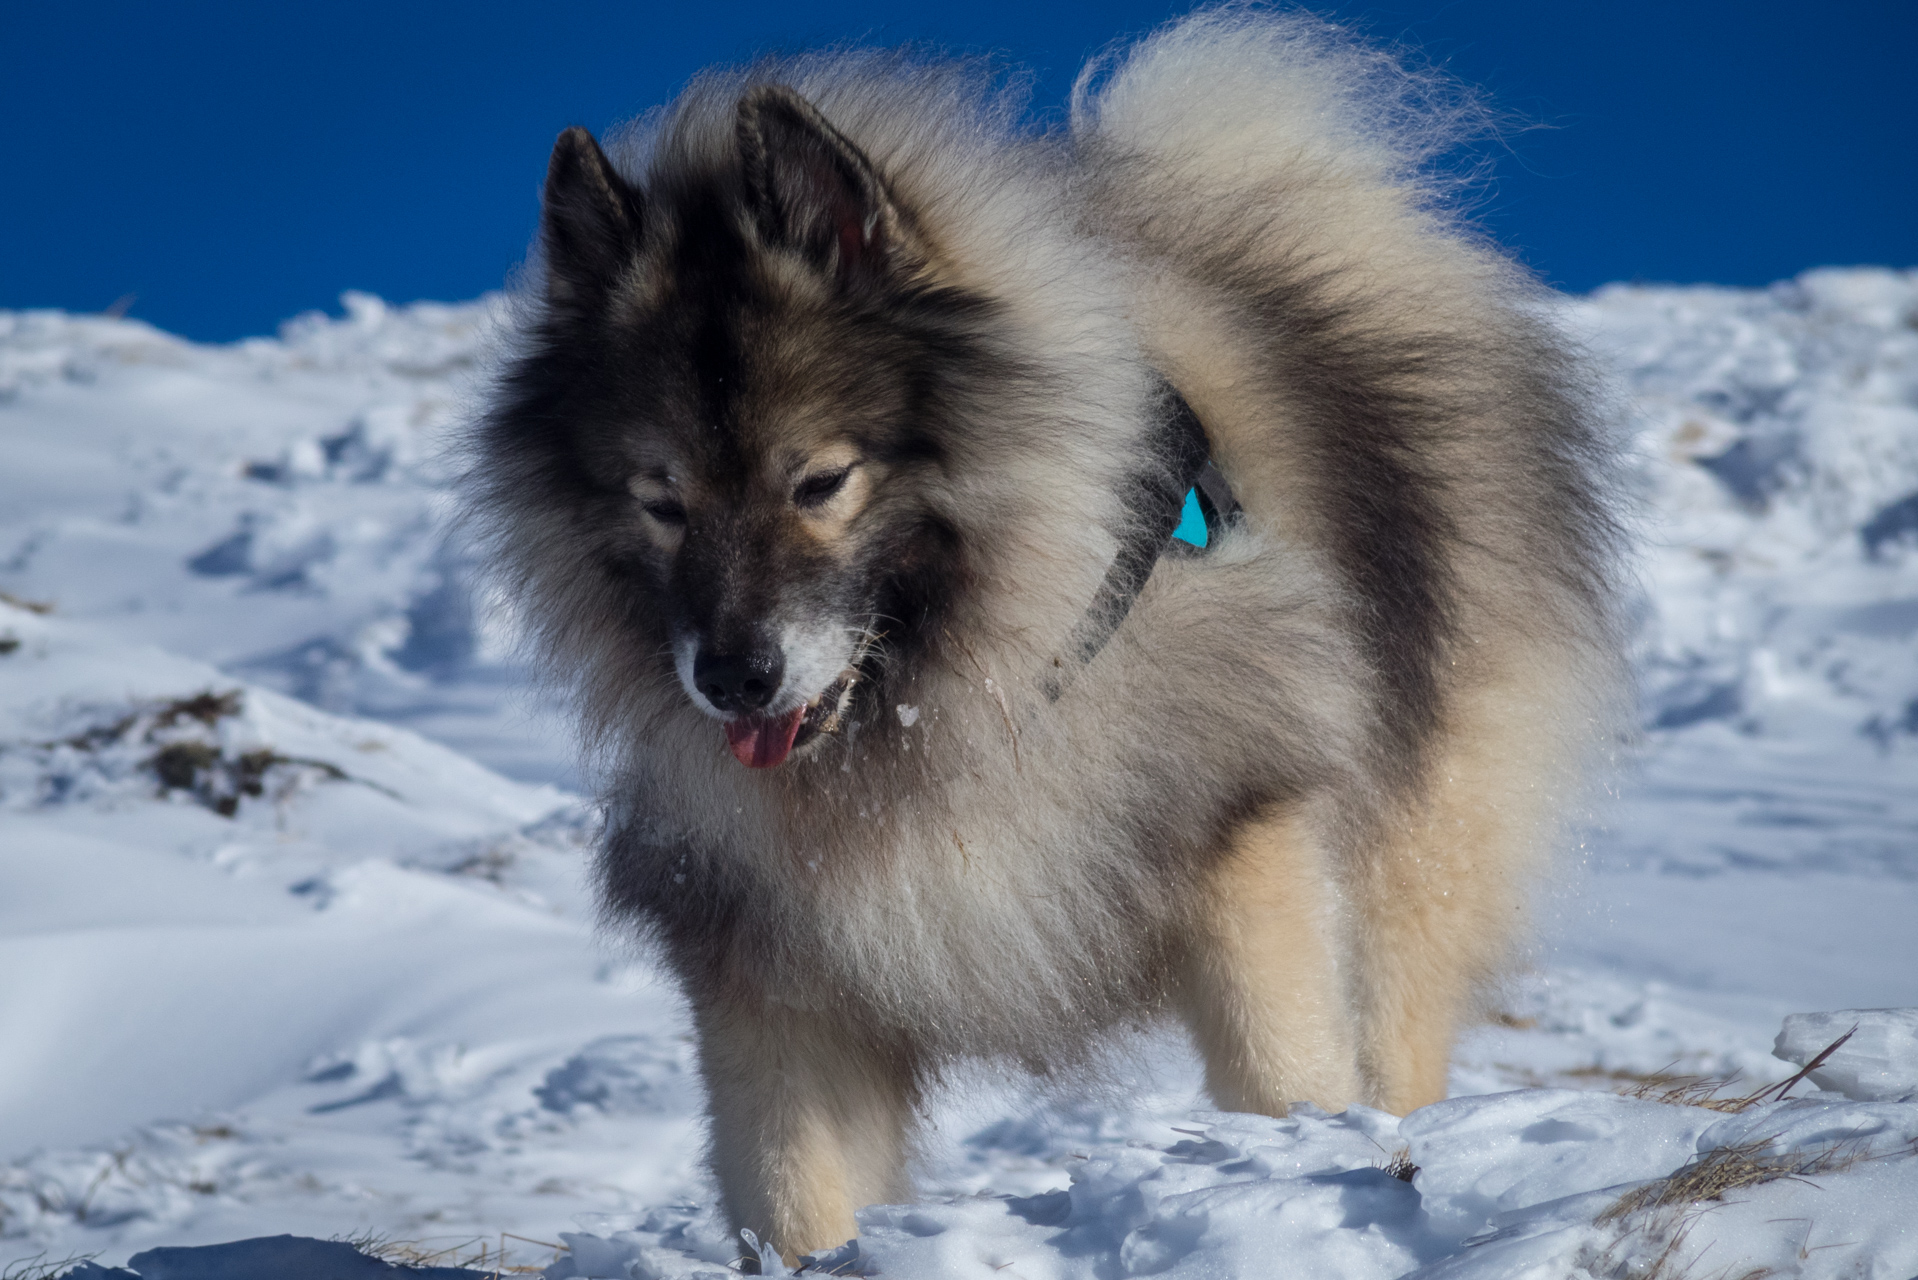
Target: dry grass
{"x": 1673, "y": 1088}
{"x": 41, "y": 607}
{"x": 1667, "y": 1263}
{"x": 1723, "y": 1170}
{"x": 1400, "y": 1166}
{"x": 219, "y": 780}
{"x": 1656, "y": 1219}
{"x": 38, "y": 1267}
{"x": 215, "y": 777}
{"x": 1704, "y": 1091}
{"x": 208, "y": 707}
{"x": 476, "y": 1253}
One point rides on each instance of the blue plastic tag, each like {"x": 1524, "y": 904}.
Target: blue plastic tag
{"x": 1191, "y": 521}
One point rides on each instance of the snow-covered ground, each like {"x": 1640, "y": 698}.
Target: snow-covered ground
{"x": 293, "y": 934}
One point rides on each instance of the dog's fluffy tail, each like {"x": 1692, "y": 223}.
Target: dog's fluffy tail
{"x": 1239, "y": 95}
{"x": 1278, "y": 180}
{"x": 1375, "y": 376}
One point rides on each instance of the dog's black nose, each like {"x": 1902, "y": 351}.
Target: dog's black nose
{"x": 739, "y": 681}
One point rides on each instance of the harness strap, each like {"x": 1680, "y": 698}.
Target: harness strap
{"x": 1157, "y": 504}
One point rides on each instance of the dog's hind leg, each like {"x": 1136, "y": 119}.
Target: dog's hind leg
{"x": 1441, "y": 898}
{"x": 807, "y": 1124}
{"x": 1417, "y": 972}
{"x": 1261, "y": 989}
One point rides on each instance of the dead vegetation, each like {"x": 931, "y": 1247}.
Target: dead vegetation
{"x": 1621, "y": 1261}
{"x": 219, "y": 781}
{"x": 172, "y": 747}
{"x": 9, "y": 642}
{"x": 1723, "y": 1170}
{"x": 39, "y": 1267}
{"x": 1400, "y": 1166}
{"x": 216, "y": 777}
{"x": 206, "y": 708}
{"x": 494, "y": 1257}
{"x": 1667, "y": 1086}
{"x": 1657, "y": 1217}
{"x": 1705, "y": 1091}
{"x": 490, "y": 864}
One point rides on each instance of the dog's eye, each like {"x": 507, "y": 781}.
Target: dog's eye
{"x": 815, "y": 491}
{"x": 666, "y": 512}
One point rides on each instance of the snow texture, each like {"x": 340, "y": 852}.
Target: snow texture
{"x": 265, "y": 1257}
{"x": 295, "y": 937}
{"x": 1877, "y": 1061}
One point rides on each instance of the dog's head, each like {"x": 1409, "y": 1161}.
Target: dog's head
{"x": 739, "y": 390}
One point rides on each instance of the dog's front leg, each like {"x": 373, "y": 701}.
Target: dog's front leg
{"x": 809, "y": 1121}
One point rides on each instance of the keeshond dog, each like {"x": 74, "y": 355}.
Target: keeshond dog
{"x": 835, "y": 471}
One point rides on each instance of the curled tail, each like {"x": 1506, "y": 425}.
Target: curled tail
{"x": 1374, "y": 377}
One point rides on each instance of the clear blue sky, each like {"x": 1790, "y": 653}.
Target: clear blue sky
{"x": 231, "y": 165}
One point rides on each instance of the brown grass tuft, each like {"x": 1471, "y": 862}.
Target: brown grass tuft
{"x": 476, "y": 1253}
{"x": 217, "y": 778}
{"x": 1400, "y": 1166}
{"x": 1703, "y": 1091}
{"x": 38, "y": 1267}
{"x": 208, "y": 707}
{"x": 1726, "y": 1169}
{"x": 42, "y": 607}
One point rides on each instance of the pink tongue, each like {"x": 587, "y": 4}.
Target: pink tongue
{"x": 760, "y": 743}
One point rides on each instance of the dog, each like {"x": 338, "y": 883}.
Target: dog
{"x": 834, "y": 471}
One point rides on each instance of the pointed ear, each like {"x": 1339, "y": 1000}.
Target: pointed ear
{"x": 812, "y": 190}
{"x": 590, "y": 222}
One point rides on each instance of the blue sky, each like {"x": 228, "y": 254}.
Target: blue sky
{"x": 231, "y": 165}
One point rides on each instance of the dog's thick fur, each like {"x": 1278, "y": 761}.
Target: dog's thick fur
{"x": 1294, "y": 801}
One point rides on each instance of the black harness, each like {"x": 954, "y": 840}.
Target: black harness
{"x": 1157, "y": 505}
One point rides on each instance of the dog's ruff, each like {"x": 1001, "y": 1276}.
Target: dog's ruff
{"x": 837, "y": 390}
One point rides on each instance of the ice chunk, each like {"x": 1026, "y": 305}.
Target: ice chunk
{"x": 1879, "y": 1063}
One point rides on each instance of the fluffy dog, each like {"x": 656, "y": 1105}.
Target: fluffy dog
{"x": 835, "y": 470}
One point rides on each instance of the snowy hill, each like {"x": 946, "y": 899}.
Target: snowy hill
{"x": 282, "y": 952}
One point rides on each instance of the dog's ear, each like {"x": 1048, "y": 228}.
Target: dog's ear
{"x": 590, "y": 220}
{"x": 812, "y": 190}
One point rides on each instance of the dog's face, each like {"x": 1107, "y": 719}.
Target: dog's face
{"x": 746, "y": 377}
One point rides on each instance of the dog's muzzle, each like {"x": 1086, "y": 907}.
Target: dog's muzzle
{"x": 761, "y": 741}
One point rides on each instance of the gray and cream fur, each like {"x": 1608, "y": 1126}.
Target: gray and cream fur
{"x": 837, "y": 392}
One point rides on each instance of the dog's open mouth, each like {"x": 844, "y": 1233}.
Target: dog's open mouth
{"x": 760, "y": 742}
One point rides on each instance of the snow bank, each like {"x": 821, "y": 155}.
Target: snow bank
{"x": 269, "y": 1256}
{"x": 1538, "y": 1182}
{"x": 268, "y": 966}
{"x": 1776, "y": 440}
{"x": 275, "y": 507}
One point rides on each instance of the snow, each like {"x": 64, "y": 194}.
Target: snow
{"x": 1877, "y": 1055}
{"x": 281, "y": 1255}
{"x": 295, "y": 935}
